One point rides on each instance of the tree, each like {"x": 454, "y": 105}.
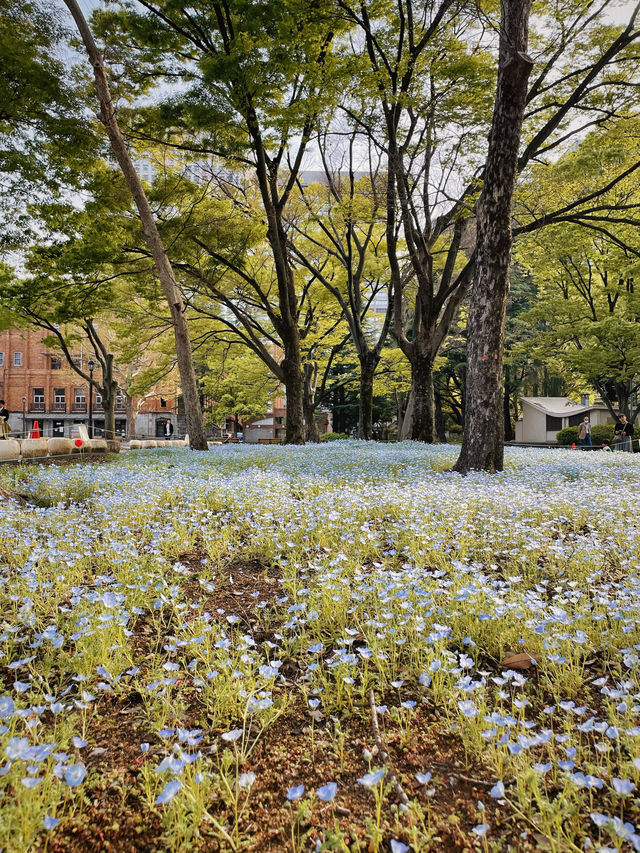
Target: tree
{"x": 427, "y": 104}
{"x": 340, "y": 241}
{"x": 586, "y": 321}
{"x": 189, "y": 385}
{"x": 262, "y": 71}
{"x": 483, "y": 437}
{"x": 238, "y": 382}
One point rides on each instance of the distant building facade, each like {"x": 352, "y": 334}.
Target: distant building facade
{"x": 37, "y": 384}
{"x": 543, "y": 417}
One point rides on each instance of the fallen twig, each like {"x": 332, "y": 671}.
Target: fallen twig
{"x": 382, "y": 750}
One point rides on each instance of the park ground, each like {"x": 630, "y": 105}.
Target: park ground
{"x": 337, "y": 647}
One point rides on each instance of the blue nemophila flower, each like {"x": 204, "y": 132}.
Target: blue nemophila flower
{"x": 327, "y": 792}
{"x": 144, "y": 747}
{"x": 31, "y": 781}
{"x": 622, "y": 786}
{"x": 497, "y": 792}
{"x": 6, "y": 706}
{"x": 75, "y": 775}
{"x": 398, "y": 846}
{"x": 246, "y": 780}
{"x": 79, "y": 742}
{"x": 295, "y": 792}
{"x": 234, "y": 734}
{"x": 168, "y": 792}
{"x": 50, "y": 822}
{"x": 480, "y": 829}
{"x": 423, "y": 778}
{"x": 370, "y": 780}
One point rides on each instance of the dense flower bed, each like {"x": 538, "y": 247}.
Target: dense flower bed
{"x": 390, "y": 574}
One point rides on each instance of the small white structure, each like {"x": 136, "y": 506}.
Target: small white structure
{"x": 543, "y": 417}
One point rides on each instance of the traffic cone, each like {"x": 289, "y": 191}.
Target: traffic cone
{"x": 35, "y": 432}
{"x": 573, "y": 446}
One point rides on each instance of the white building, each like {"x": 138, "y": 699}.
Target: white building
{"x": 543, "y": 417}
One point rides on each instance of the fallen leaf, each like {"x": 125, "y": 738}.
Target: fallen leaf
{"x": 520, "y": 660}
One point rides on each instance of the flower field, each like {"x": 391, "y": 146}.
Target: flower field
{"x": 336, "y": 647}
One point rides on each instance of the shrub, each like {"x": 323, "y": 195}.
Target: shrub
{"x": 567, "y": 436}
{"x": 333, "y": 436}
{"x": 600, "y": 433}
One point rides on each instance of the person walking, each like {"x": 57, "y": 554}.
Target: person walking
{"x": 4, "y": 420}
{"x": 584, "y": 433}
{"x": 623, "y": 435}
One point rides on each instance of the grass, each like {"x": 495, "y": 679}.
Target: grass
{"x": 189, "y": 643}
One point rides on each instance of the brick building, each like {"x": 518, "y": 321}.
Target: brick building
{"x": 38, "y": 385}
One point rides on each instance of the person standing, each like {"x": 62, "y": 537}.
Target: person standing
{"x": 168, "y": 430}
{"x": 623, "y": 434}
{"x": 584, "y": 433}
{"x": 4, "y": 420}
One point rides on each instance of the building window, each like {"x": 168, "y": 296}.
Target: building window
{"x": 576, "y": 420}
{"x": 38, "y": 396}
{"x": 77, "y": 361}
{"x": 553, "y": 424}
{"x": 80, "y": 397}
{"x": 163, "y": 403}
{"x": 17, "y": 359}
{"x": 56, "y": 363}
{"x": 1, "y": 359}
{"x": 59, "y": 397}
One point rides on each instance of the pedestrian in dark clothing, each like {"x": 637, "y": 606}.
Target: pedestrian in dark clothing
{"x": 623, "y": 435}
{"x": 4, "y": 420}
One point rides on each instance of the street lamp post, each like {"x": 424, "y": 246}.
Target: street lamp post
{"x": 91, "y": 365}
{"x": 24, "y": 417}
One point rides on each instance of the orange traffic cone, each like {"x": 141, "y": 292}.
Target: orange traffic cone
{"x": 35, "y": 432}
{"x": 573, "y": 446}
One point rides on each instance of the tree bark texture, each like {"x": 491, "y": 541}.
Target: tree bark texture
{"x": 188, "y": 381}
{"x": 311, "y": 431}
{"x": 440, "y": 428}
{"x": 423, "y": 422}
{"x": 483, "y": 439}
{"x": 368, "y": 364}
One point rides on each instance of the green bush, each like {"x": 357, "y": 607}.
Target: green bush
{"x": 567, "y": 436}
{"x": 333, "y": 436}
{"x": 600, "y": 433}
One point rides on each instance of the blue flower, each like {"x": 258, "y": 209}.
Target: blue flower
{"x": 75, "y": 774}
{"x": 481, "y": 829}
{"x": 50, "y": 822}
{"x": 79, "y": 742}
{"x": 497, "y": 792}
{"x": 6, "y": 706}
{"x": 327, "y": 792}
{"x": 622, "y": 786}
{"x": 399, "y": 846}
{"x": 370, "y": 780}
{"x": 423, "y": 778}
{"x": 295, "y": 793}
{"x": 234, "y": 734}
{"x": 168, "y": 792}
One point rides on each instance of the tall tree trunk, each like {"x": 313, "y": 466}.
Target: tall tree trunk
{"x": 506, "y": 408}
{"x": 188, "y": 381}
{"x": 368, "y": 363}
{"x": 294, "y": 389}
{"x": 130, "y": 416}
{"x": 440, "y": 430}
{"x": 483, "y": 439}
{"x": 311, "y": 431}
{"x": 423, "y": 424}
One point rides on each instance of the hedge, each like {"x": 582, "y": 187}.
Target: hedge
{"x": 599, "y": 432}
{"x": 567, "y": 436}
